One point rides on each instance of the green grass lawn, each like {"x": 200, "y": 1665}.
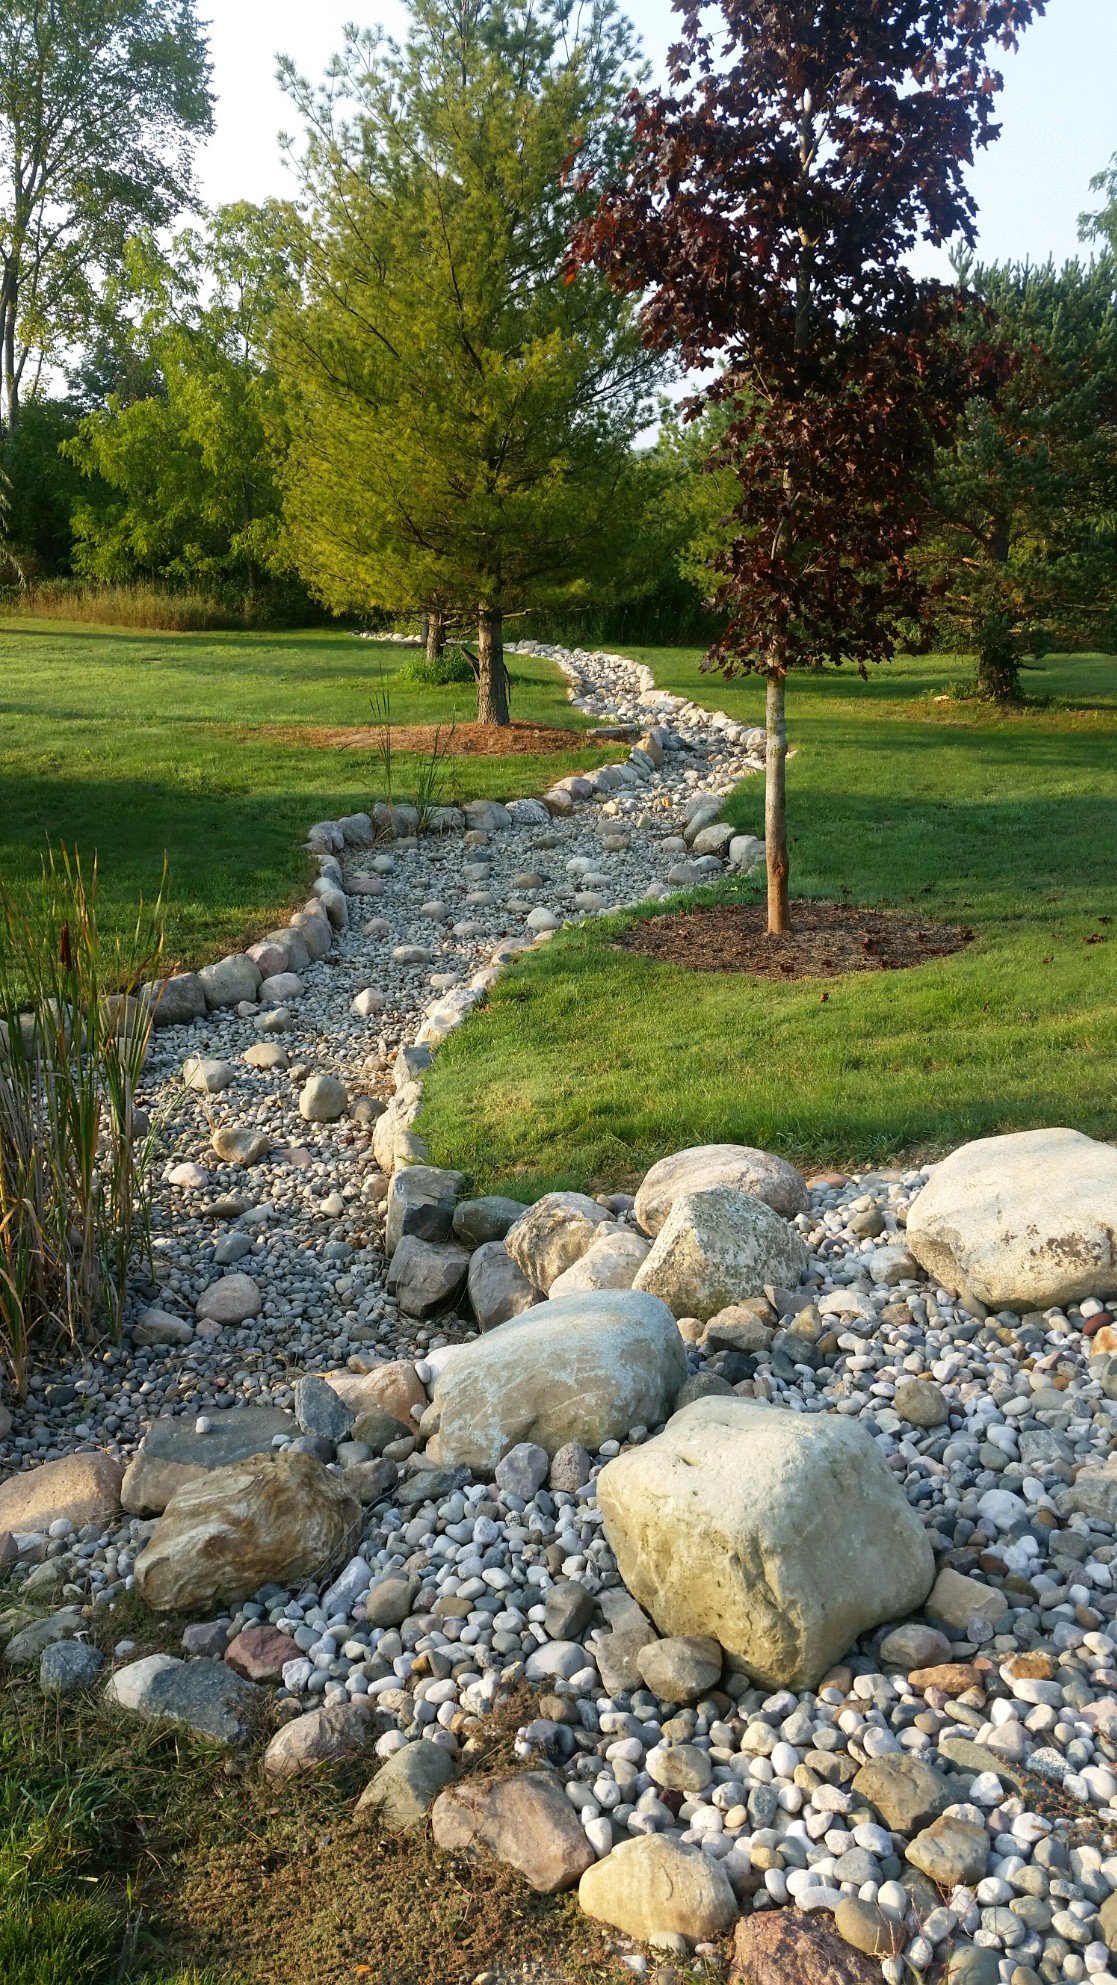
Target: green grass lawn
{"x": 134, "y": 744}
{"x": 589, "y": 1063}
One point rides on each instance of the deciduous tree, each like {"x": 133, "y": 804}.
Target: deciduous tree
{"x": 802, "y": 150}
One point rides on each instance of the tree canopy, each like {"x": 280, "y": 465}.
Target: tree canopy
{"x": 101, "y": 103}
{"x": 462, "y": 413}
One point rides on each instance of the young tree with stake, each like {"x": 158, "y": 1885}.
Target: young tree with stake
{"x": 772, "y": 198}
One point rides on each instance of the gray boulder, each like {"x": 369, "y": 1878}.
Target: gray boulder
{"x": 489, "y": 1219}
{"x": 178, "y": 1000}
{"x": 205, "y": 1694}
{"x": 229, "y": 981}
{"x": 319, "y": 1410}
{"x": 425, "y": 1277}
{"x": 69, "y": 1665}
{"x": 421, "y": 1201}
{"x": 584, "y": 1369}
{"x": 406, "y": 1787}
{"x": 498, "y": 1289}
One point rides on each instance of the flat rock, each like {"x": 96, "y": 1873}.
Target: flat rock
{"x": 906, "y": 1792}
{"x": 322, "y": 1736}
{"x": 204, "y": 1694}
{"x": 956, "y": 1600}
{"x": 786, "y": 1947}
{"x": 83, "y": 1487}
{"x": 760, "y": 1173}
{"x": 584, "y": 1369}
{"x": 716, "y": 1247}
{"x": 406, "y": 1786}
{"x": 26, "y": 1646}
{"x": 552, "y": 1235}
{"x": 274, "y": 1518}
{"x": 524, "y": 1819}
{"x": 173, "y": 1453}
{"x": 650, "y": 1886}
{"x": 239, "y": 1144}
{"x": 1021, "y": 1222}
{"x": 234, "y": 1299}
{"x": 207, "y": 1075}
{"x": 783, "y": 1536}
{"x": 498, "y": 1289}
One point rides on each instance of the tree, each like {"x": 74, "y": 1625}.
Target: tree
{"x": 101, "y": 102}
{"x": 191, "y": 465}
{"x": 462, "y": 414}
{"x": 765, "y": 219}
{"x": 1022, "y": 553}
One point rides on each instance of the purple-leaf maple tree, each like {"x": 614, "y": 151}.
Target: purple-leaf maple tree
{"x": 772, "y": 197}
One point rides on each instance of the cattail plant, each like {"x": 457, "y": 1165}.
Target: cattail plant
{"x": 75, "y": 1150}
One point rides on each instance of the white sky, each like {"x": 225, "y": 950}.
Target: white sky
{"x": 1058, "y": 108}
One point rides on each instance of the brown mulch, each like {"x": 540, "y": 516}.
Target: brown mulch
{"x": 459, "y": 741}
{"x": 826, "y": 940}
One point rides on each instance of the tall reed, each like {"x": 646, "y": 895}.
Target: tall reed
{"x": 75, "y": 1151}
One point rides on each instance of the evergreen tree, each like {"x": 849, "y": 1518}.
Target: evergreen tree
{"x": 462, "y": 410}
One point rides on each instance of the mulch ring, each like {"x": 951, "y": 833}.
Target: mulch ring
{"x": 826, "y": 940}
{"x": 455, "y": 740}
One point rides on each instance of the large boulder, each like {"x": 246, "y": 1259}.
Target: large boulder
{"x": 1021, "y": 1222}
{"x": 498, "y": 1289}
{"x": 172, "y": 1453}
{"x": 551, "y": 1236}
{"x": 205, "y": 1694}
{"x": 83, "y": 1487}
{"x": 524, "y": 1819}
{"x": 767, "y": 1177}
{"x": 584, "y": 1369}
{"x": 611, "y": 1262}
{"x": 715, "y": 1248}
{"x": 783, "y": 1536}
{"x": 274, "y": 1518}
{"x": 652, "y": 1887}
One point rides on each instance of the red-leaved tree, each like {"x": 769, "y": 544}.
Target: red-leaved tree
{"x": 773, "y": 196}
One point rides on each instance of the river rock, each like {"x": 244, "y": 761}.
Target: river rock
{"x": 406, "y": 1786}
{"x": 681, "y": 1668}
{"x": 498, "y": 1288}
{"x": 160, "y": 1327}
{"x": 275, "y": 1518}
{"x": 608, "y": 1263}
{"x": 780, "y": 1535}
{"x": 651, "y": 1886}
{"x": 1021, "y": 1222}
{"x": 716, "y": 1247}
{"x": 172, "y": 1453}
{"x": 760, "y": 1173}
{"x": 584, "y": 1369}
{"x": 322, "y": 1736}
{"x": 323, "y": 1099}
{"x": 950, "y": 1851}
{"x": 239, "y": 1144}
{"x": 956, "y": 1600}
{"x": 69, "y": 1665}
{"x": 921, "y": 1403}
{"x": 178, "y": 1000}
{"x": 524, "y": 1819}
{"x": 258, "y": 1654}
{"x": 233, "y": 1299}
{"x": 426, "y": 1277}
{"x": 84, "y": 1487}
{"x": 229, "y": 981}
{"x": 906, "y": 1792}
{"x": 552, "y": 1235}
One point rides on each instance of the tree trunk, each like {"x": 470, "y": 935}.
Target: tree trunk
{"x": 424, "y": 629}
{"x": 492, "y": 676}
{"x": 775, "y": 817}
{"x": 998, "y": 661}
{"x": 434, "y": 634}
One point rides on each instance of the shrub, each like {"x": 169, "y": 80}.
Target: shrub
{"x": 74, "y": 1149}
{"x": 452, "y": 665}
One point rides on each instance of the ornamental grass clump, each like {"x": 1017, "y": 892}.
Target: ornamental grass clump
{"x": 75, "y": 1149}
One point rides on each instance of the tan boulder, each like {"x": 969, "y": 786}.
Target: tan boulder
{"x": 767, "y": 1177}
{"x": 650, "y": 1886}
{"x": 394, "y": 1388}
{"x": 84, "y": 1487}
{"x": 553, "y": 1234}
{"x": 322, "y": 1736}
{"x": 279, "y": 1518}
{"x": 524, "y": 1819}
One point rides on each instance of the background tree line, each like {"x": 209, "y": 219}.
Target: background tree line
{"x": 394, "y": 395}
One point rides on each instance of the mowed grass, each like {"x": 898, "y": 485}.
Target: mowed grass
{"x": 132, "y": 745}
{"x": 589, "y": 1063}
{"x": 134, "y": 1853}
